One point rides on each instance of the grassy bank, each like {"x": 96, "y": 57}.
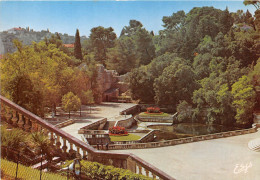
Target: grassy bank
{"x": 129, "y": 137}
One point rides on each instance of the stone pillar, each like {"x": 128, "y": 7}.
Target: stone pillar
{"x": 64, "y": 147}
{"x": 34, "y": 126}
{"x": 84, "y": 154}
{"x": 58, "y": 142}
{"x": 140, "y": 169}
{"x": 20, "y": 121}
{"x": 14, "y": 119}
{"x": 3, "y": 111}
{"x": 27, "y": 125}
{"x": 131, "y": 165}
{"x": 8, "y": 116}
{"x": 154, "y": 176}
{"x": 52, "y": 138}
{"x": 147, "y": 172}
{"x": 71, "y": 151}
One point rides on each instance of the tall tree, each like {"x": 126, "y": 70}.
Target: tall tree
{"x": 77, "y": 46}
{"x": 244, "y": 100}
{"x": 70, "y": 102}
{"x": 226, "y": 21}
{"x": 101, "y": 39}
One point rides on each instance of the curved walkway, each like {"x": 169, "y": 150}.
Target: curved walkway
{"x": 218, "y": 159}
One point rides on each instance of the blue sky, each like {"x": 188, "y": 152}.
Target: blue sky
{"x": 67, "y": 16}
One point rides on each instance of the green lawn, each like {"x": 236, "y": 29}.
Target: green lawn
{"x": 154, "y": 115}
{"x": 130, "y": 137}
{"x": 9, "y": 169}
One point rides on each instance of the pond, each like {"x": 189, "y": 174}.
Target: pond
{"x": 182, "y": 130}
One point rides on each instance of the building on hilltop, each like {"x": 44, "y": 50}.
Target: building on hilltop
{"x": 68, "y": 45}
{"x": 15, "y": 30}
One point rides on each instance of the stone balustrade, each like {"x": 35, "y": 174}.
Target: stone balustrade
{"x": 183, "y": 140}
{"x": 16, "y": 116}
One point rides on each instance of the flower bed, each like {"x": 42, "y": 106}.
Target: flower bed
{"x": 117, "y": 131}
{"x": 153, "y": 110}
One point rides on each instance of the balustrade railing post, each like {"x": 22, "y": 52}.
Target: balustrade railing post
{"x": 64, "y": 147}
{"x": 84, "y": 154}
{"x": 14, "y": 119}
{"x": 3, "y": 111}
{"x": 140, "y": 169}
{"x": 52, "y": 138}
{"x": 71, "y": 151}
{"x": 27, "y": 125}
{"x": 34, "y": 126}
{"x": 147, "y": 172}
{"x": 8, "y": 116}
{"x": 154, "y": 176}
{"x": 20, "y": 121}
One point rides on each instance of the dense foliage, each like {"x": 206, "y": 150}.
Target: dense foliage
{"x": 94, "y": 170}
{"x": 38, "y": 76}
{"x": 206, "y": 66}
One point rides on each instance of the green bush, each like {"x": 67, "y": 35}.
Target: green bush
{"x": 96, "y": 170}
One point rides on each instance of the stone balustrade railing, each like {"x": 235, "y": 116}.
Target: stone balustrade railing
{"x": 17, "y": 116}
{"x": 184, "y": 140}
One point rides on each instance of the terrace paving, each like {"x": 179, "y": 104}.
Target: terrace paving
{"x": 105, "y": 110}
{"x": 212, "y": 159}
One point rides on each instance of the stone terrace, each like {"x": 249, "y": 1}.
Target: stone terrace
{"x": 105, "y": 110}
{"x": 212, "y": 159}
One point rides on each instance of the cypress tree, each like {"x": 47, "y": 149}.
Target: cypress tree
{"x": 77, "y": 46}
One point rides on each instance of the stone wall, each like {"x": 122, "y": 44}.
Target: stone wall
{"x": 98, "y": 125}
{"x": 155, "y": 119}
{"x": 132, "y": 110}
{"x": 65, "y": 123}
{"x": 127, "y": 122}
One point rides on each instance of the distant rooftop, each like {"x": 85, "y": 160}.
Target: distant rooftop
{"x": 68, "y": 45}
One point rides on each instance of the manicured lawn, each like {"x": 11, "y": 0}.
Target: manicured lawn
{"x": 130, "y": 137}
{"x": 154, "y": 115}
{"x": 9, "y": 170}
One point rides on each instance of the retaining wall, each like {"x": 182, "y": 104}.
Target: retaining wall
{"x": 132, "y": 110}
{"x": 126, "y": 123}
{"x": 98, "y": 125}
{"x": 65, "y": 123}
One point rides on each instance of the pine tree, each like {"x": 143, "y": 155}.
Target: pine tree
{"x": 77, "y": 46}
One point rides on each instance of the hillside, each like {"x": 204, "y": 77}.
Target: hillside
{"x": 27, "y": 36}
